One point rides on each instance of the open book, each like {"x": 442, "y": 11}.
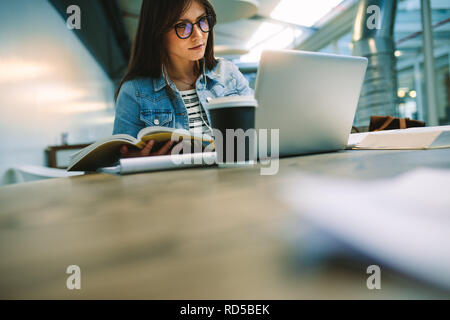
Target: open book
{"x": 106, "y": 152}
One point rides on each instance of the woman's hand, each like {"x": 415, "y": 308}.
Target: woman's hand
{"x": 146, "y": 151}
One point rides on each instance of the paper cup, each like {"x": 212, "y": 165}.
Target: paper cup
{"x": 233, "y": 118}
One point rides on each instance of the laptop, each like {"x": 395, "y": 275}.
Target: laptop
{"x": 310, "y": 97}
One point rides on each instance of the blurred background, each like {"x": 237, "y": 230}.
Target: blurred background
{"x": 57, "y": 84}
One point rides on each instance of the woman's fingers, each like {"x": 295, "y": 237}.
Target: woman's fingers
{"x": 146, "y": 151}
{"x": 164, "y": 149}
{"x": 148, "y": 147}
{"x": 123, "y": 149}
{"x": 127, "y": 153}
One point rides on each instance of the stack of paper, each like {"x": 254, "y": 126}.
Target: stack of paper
{"x": 411, "y": 138}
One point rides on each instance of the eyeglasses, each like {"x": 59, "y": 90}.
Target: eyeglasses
{"x": 185, "y": 29}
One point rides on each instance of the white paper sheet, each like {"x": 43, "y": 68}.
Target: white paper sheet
{"x": 356, "y": 138}
{"x": 403, "y": 222}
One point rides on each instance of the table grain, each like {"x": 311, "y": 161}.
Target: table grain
{"x": 199, "y": 233}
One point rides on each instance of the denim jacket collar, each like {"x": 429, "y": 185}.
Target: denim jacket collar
{"x": 160, "y": 83}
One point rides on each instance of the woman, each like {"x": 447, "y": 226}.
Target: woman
{"x": 172, "y": 72}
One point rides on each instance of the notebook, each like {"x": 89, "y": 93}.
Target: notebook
{"x": 156, "y": 163}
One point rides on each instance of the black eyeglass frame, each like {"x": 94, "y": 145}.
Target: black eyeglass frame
{"x": 209, "y": 19}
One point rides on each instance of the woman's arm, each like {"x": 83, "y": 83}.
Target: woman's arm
{"x": 242, "y": 84}
{"x": 127, "y": 119}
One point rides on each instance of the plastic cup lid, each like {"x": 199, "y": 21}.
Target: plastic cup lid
{"x": 232, "y": 101}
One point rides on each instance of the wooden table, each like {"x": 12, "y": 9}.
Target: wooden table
{"x": 202, "y": 233}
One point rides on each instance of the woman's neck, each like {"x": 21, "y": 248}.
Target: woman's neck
{"x": 184, "y": 70}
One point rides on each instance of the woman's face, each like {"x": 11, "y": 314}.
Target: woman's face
{"x": 188, "y": 49}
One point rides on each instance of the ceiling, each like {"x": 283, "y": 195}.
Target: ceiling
{"x": 330, "y": 31}
{"x": 239, "y": 36}
{"x": 234, "y": 34}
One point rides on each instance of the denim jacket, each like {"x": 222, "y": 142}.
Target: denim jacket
{"x": 145, "y": 102}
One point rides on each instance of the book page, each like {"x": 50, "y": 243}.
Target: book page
{"x": 101, "y": 153}
{"x": 153, "y": 129}
{"x": 162, "y": 134}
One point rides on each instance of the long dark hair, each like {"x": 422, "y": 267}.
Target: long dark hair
{"x": 149, "y": 53}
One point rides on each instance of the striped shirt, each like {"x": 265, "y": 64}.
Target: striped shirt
{"x": 195, "y": 113}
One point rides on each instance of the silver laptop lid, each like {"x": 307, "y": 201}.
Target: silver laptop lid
{"x": 310, "y": 97}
